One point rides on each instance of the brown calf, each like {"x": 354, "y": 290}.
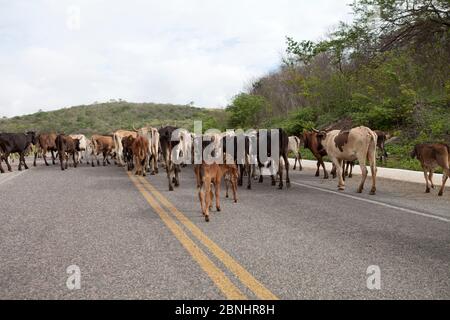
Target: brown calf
{"x": 431, "y": 156}
{"x": 46, "y": 142}
{"x": 103, "y": 145}
{"x": 67, "y": 146}
{"x": 311, "y": 142}
{"x": 207, "y": 174}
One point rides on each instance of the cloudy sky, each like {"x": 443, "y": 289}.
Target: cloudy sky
{"x": 57, "y": 53}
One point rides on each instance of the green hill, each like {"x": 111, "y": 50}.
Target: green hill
{"x": 107, "y": 117}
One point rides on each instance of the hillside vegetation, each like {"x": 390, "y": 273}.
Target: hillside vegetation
{"x": 105, "y": 118}
{"x": 389, "y": 70}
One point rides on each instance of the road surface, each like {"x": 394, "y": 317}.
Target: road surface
{"x": 132, "y": 239}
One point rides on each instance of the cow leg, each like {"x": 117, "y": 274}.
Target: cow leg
{"x": 234, "y": 188}
{"x": 325, "y": 172}
{"x": 207, "y": 186}
{"x": 44, "y": 155}
{"x": 168, "y": 169}
{"x": 425, "y": 174}
{"x": 295, "y": 162}
{"x": 75, "y": 162}
{"x": 280, "y": 173}
{"x": 288, "y": 180}
{"x": 430, "y": 177}
{"x": 22, "y": 155}
{"x": 35, "y": 157}
{"x": 7, "y": 162}
{"x": 177, "y": 169}
{"x": 444, "y": 181}
{"x": 251, "y": 171}
{"x": 338, "y": 165}
{"x": 241, "y": 175}
{"x": 217, "y": 193}
{"x": 300, "y": 158}
{"x": 364, "y": 171}
{"x": 318, "y": 169}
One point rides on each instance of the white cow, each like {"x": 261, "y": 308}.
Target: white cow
{"x": 294, "y": 147}
{"x": 355, "y": 144}
{"x": 152, "y": 135}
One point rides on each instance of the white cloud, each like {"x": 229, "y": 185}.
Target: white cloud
{"x": 156, "y": 51}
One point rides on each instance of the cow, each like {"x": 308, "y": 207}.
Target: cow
{"x": 20, "y": 143}
{"x": 152, "y": 135}
{"x": 294, "y": 147}
{"x": 67, "y": 147}
{"x": 185, "y": 146}
{"x": 117, "y": 138}
{"x": 382, "y": 137}
{"x": 310, "y": 141}
{"x": 212, "y": 174}
{"x": 431, "y": 156}
{"x": 167, "y": 145}
{"x": 356, "y": 144}
{"x": 104, "y": 145}
{"x": 127, "y": 142}
{"x": 45, "y": 142}
{"x": 140, "y": 147}
{"x": 274, "y": 159}
{"x": 83, "y": 147}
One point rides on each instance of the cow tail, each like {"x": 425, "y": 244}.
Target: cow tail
{"x": 414, "y": 153}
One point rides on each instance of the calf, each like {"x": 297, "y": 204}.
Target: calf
{"x": 294, "y": 147}
{"x": 212, "y": 174}
{"x": 350, "y": 145}
{"x": 167, "y": 145}
{"x": 67, "y": 146}
{"x": 431, "y": 156}
{"x": 45, "y": 142}
{"x": 311, "y": 142}
{"x": 83, "y": 147}
{"x": 139, "y": 148}
{"x": 103, "y": 145}
{"x": 15, "y": 143}
{"x": 117, "y": 144}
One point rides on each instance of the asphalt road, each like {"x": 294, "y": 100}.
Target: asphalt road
{"x": 133, "y": 239}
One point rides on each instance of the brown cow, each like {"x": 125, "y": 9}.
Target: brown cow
{"x": 311, "y": 142}
{"x": 67, "y": 146}
{"x": 103, "y": 145}
{"x": 207, "y": 174}
{"x": 382, "y": 137}
{"x": 45, "y": 142}
{"x": 431, "y": 156}
{"x": 140, "y": 149}
{"x": 127, "y": 142}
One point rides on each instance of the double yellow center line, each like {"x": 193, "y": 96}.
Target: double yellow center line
{"x": 220, "y": 279}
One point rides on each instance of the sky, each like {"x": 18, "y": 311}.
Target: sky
{"x": 58, "y": 53}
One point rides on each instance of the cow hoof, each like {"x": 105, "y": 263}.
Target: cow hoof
{"x": 441, "y": 193}
{"x": 227, "y": 196}
{"x": 274, "y": 183}
{"x": 427, "y": 191}
{"x": 219, "y": 210}
{"x": 170, "y": 188}
{"x": 288, "y": 185}
{"x": 249, "y": 187}
{"x": 372, "y": 193}
{"x": 153, "y": 173}
{"x": 341, "y": 188}
{"x": 206, "y": 218}
{"x": 317, "y": 175}
{"x": 326, "y": 177}
{"x": 360, "y": 191}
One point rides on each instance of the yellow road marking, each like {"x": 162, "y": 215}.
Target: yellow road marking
{"x": 243, "y": 275}
{"x": 216, "y": 275}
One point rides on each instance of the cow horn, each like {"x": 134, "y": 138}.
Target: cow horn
{"x": 315, "y": 130}
{"x": 134, "y": 128}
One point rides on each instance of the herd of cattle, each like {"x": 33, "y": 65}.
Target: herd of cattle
{"x": 231, "y": 155}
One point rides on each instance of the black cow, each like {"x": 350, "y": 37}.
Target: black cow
{"x": 127, "y": 143}
{"x": 15, "y": 143}
{"x": 167, "y": 145}
{"x": 283, "y": 142}
{"x": 67, "y": 146}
